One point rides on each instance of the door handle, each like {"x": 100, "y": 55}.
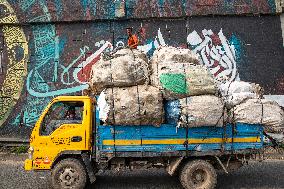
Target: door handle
{"x": 76, "y": 139}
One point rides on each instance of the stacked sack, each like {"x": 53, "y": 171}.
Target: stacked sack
{"x": 245, "y": 104}
{"x": 137, "y": 105}
{"x": 178, "y": 74}
{"x": 188, "y": 88}
{"x": 125, "y": 98}
{"x": 125, "y": 68}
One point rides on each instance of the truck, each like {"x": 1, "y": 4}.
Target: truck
{"x": 74, "y": 148}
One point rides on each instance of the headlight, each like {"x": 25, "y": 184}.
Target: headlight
{"x": 30, "y": 152}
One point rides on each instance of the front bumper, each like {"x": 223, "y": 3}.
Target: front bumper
{"x": 28, "y": 164}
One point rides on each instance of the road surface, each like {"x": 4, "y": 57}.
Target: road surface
{"x": 264, "y": 175}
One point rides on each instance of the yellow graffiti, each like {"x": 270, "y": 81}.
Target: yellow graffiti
{"x": 17, "y": 52}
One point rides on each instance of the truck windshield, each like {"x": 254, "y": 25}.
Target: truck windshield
{"x": 61, "y": 113}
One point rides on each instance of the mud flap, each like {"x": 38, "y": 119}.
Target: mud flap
{"x": 173, "y": 166}
{"x": 89, "y": 167}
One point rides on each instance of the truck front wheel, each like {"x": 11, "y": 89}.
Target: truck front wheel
{"x": 198, "y": 174}
{"x": 69, "y": 173}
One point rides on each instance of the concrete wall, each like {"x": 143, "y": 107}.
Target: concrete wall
{"x": 46, "y": 46}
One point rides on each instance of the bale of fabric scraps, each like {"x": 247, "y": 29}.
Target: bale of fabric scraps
{"x": 131, "y": 52}
{"x": 174, "y": 54}
{"x": 121, "y": 71}
{"x": 204, "y": 110}
{"x": 179, "y": 80}
{"x": 196, "y": 111}
{"x": 259, "y": 111}
{"x": 137, "y": 105}
{"x": 237, "y": 92}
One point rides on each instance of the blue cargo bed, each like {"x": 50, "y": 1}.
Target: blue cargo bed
{"x": 169, "y": 138}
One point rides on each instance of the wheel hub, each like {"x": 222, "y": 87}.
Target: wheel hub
{"x": 68, "y": 177}
{"x": 199, "y": 176}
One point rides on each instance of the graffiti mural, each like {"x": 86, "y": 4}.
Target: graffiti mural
{"x": 43, "y": 60}
{"x": 44, "y": 56}
{"x": 217, "y": 53}
{"x": 17, "y": 52}
{"x": 48, "y": 75}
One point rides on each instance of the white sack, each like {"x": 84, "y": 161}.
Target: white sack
{"x": 119, "y": 72}
{"x": 179, "y": 80}
{"x": 278, "y": 137}
{"x": 237, "y": 98}
{"x": 131, "y": 52}
{"x": 169, "y": 53}
{"x": 205, "y": 110}
{"x": 259, "y": 111}
{"x": 137, "y": 105}
{"x": 103, "y": 107}
{"x": 237, "y": 92}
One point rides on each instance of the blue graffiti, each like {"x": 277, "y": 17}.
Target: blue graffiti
{"x": 89, "y": 4}
{"x": 237, "y": 43}
{"x": 25, "y": 5}
{"x": 59, "y": 8}
{"x": 272, "y": 5}
{"x": 53, "y": 93}
{"x": 42, "y": 59}
{"x": 62, "y": 43}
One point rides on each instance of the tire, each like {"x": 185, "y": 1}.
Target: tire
{"x": 198, "y": 174}
{"x": 69, "y": 173}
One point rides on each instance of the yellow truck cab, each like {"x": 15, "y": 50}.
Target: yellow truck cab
{"x": 54, "y": 133}
{"x": 69, "y": 140}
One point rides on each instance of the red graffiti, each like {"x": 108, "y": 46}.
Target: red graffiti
{"x": 84, "y": 74}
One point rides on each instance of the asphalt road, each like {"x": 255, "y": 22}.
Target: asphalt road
{"x": 268, "y": 174}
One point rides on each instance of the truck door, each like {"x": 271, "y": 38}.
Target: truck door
{"x": 62, "y": 128}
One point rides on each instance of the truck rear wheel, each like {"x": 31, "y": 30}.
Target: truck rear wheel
{"x": 69, "y": 173}
{"x": 198, "y": 174}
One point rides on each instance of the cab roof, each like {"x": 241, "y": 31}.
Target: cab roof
{"x": 72, "y": 98}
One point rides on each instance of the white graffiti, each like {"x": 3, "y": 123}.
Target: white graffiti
{"x": 159, "y": 41}
{"x": 100, "y": 43}
{"x": 216, "y": 53}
